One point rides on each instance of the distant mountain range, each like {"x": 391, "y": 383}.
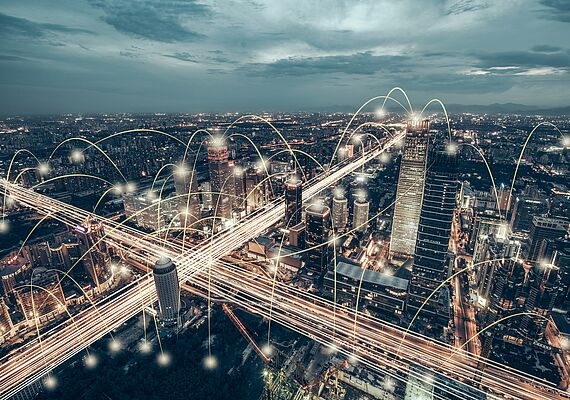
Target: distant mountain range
{"x": 495, "y": 108}
{"x": 507, "y": 108}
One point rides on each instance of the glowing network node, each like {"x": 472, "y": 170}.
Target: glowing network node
{"x": 43, "y": 168}
{"x": 77, "y": 155}
{"x": 115, "y": 346}
{"x": 210, "y": 362}
{"x": 163, "y": 359}
{"x": 118, "y": 189}
{"x": 389, "y": 384}
{"x": 384, "y": 158}
{"x": 50, "y": 382}
{"x": 4, "y": 226}
{"x": 90, "y": 361}
{"x": 380, "y": 113}
{"x": 130, "y": 187}
{"x": 566, "y": 141}
{"x": 145, "y": 347}
{"x": 267, "y": 349}
{"x": 452, "y": 148}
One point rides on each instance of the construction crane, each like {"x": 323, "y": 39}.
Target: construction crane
{"x": 241, "y": 327}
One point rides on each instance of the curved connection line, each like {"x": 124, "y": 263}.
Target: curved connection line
{"x": 105, "y": 193}
{"x": 480, "y": 152}
{"x": 300, "y": 152}
{"x": 263, "y": 162}
{"x": 490, "y": 326}
{"x": 38, "y": 333}
{"x": 444, "y": 111}
{"x": 442, "y": 284}
{"x": 71, "y": 176}
{"x": 522, "y": 153}
{"x": 91, "y": 144}
{"x": 138, "y": 131}
{"x": 386, "y": 97}
{"x": 240, "y": 119}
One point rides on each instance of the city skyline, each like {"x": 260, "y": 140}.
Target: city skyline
{"x": 277, "y": 200}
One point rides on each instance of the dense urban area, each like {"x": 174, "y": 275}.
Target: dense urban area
{"x": 456, "y": 235}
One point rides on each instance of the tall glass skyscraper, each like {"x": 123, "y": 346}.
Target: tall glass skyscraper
{"x": 293, "y": 201}
{"x": 317, "y": 232}
{"x": 339, "y": 211}
{"x": 186, "y": 185}
{"x": 431, "y": 257}
{"x": 167, "y": 290}
{"x": 410, "y": 189}
{"x": 219, "y": 180}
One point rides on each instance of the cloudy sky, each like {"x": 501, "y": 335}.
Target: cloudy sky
{"x": 228, "y": 55}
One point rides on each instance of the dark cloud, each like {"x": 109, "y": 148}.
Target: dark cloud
{"x": 558, "y": 10}
{"x": 546, "y": 48}
{"x": 161, "y": 21}
{"x": 11, "y": 26}
{"x": 525, "y": 59}
{"x": 463, "y": 6}
{"x": 356, "y": 64}
{"x": 182, "y": 56}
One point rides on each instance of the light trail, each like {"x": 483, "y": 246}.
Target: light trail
{"x": 296, "y": 309}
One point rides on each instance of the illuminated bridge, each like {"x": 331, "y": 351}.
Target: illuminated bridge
{"x": 202, "y": 269}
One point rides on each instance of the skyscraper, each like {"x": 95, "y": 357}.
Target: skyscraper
{"x": 360, "y": 217}
{"x": 167, "y": 290}
{"x": 219, "y": 169}
{"x": 255, "y": 188}
{"x": 431, "y": 259}
{"x": 525, "y": 208}
{"x": 410, "y": 189}
{"x": 339, "y": 211}
{"x": 317, "y": 222}
{"x": 293, "y": 201}
{"x": 544, "y": 228}
{"x": 186, "y": 186}
{"x": 543, "y": 287}
{"x": 97, "y": 258}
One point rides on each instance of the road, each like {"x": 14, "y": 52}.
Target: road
{"x": 368, "y": 340}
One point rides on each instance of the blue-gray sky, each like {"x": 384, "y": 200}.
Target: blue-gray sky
{"x": 229, "y": 55}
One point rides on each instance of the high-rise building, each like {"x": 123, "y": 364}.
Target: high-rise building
{"x": 256, "y": 189}
{"x": 97, "y": 258}
{"x": 142, "y": 210}
{"x": 525, "y": 208}
{"x": 293, "y": 201}
{"x": 410, "y": 189}
{"x": 6, "y": 324}
{"x": 186, "y": 186}
{"x": 167, "y": 290}
{"x": 339, "y": 211}
{"x": 317, "y": 222}
{"x": 220, "y": 174}
{"x": 497, "y": 249}
{"x": 46, "y": 302}
{"x": 558, "y": 253}
{"x": 542, "y": 229}
{"x": 297, "y": 235}
{"x": 543, "y": 287}
{"x": 431, "y": 259}
{"x": 360, "y": 215}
